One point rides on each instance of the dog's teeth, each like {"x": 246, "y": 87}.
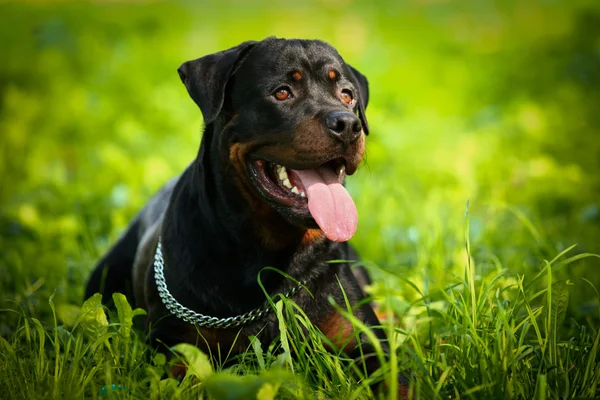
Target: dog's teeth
{"x": 340, "y": 172}
{"x": 302, "y": 194}
{"x": 282, "y": 173}
{"x": 295, "y": 190}
{"x": 287, "y": 184}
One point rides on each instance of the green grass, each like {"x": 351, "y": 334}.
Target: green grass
{"x": 482, "y": 338}
{"x": 490, "y": 104}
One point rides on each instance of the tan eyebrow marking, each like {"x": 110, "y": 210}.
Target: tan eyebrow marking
{"x": 297, "y": 75}
{"x": 331, "y": 74}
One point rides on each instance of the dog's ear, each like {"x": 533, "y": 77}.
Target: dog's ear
{"x": 206, "y": 78}
{"x": 363, "y": 96}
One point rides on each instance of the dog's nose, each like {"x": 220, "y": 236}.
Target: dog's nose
{"x": 343, "y": 126}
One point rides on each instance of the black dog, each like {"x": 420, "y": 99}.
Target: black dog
{"x": 284, "y": 123}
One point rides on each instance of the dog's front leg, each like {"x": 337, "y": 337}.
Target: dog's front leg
{"x": 359, "y": 347}
{"x": 345, "y": 335}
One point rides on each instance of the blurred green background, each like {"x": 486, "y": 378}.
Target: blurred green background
{"x": 494, "y": 103}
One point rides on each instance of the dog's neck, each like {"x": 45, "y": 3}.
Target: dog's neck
{"x": 211, "y": 248}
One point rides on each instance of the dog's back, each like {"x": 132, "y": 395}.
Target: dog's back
{"x": 114, "y": 272}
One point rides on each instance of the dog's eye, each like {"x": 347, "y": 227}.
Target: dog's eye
{"x": 283, "y": 93}
{"x": 346, "y": 96}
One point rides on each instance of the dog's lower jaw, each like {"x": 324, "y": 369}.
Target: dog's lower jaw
{"x": 276, "y": 233}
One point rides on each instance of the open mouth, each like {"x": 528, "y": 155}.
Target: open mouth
{"x": 285, "y": 186}
{"x": 318, "y": 193}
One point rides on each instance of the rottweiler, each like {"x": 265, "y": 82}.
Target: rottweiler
{"x": 284, "y": 124}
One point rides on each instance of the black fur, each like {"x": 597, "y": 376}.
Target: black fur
{"x": 218, "y": 230}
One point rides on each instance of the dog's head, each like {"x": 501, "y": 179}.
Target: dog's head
{"x": 290, "y": 116}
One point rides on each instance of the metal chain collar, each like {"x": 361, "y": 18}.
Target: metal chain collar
{"x": 194, "y": 318}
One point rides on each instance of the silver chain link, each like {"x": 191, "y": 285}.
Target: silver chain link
{"x": 194, "y": 318}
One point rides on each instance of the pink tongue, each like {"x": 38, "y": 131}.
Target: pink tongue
{"x": 329, "y": 203}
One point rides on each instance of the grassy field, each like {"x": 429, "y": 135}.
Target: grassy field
{"x": 479, "y": 201}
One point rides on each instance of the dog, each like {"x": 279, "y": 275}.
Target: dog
{"x": 284, "y": 123}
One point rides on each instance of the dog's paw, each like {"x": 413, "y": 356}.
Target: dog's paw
{"x": 403, "y": 385}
